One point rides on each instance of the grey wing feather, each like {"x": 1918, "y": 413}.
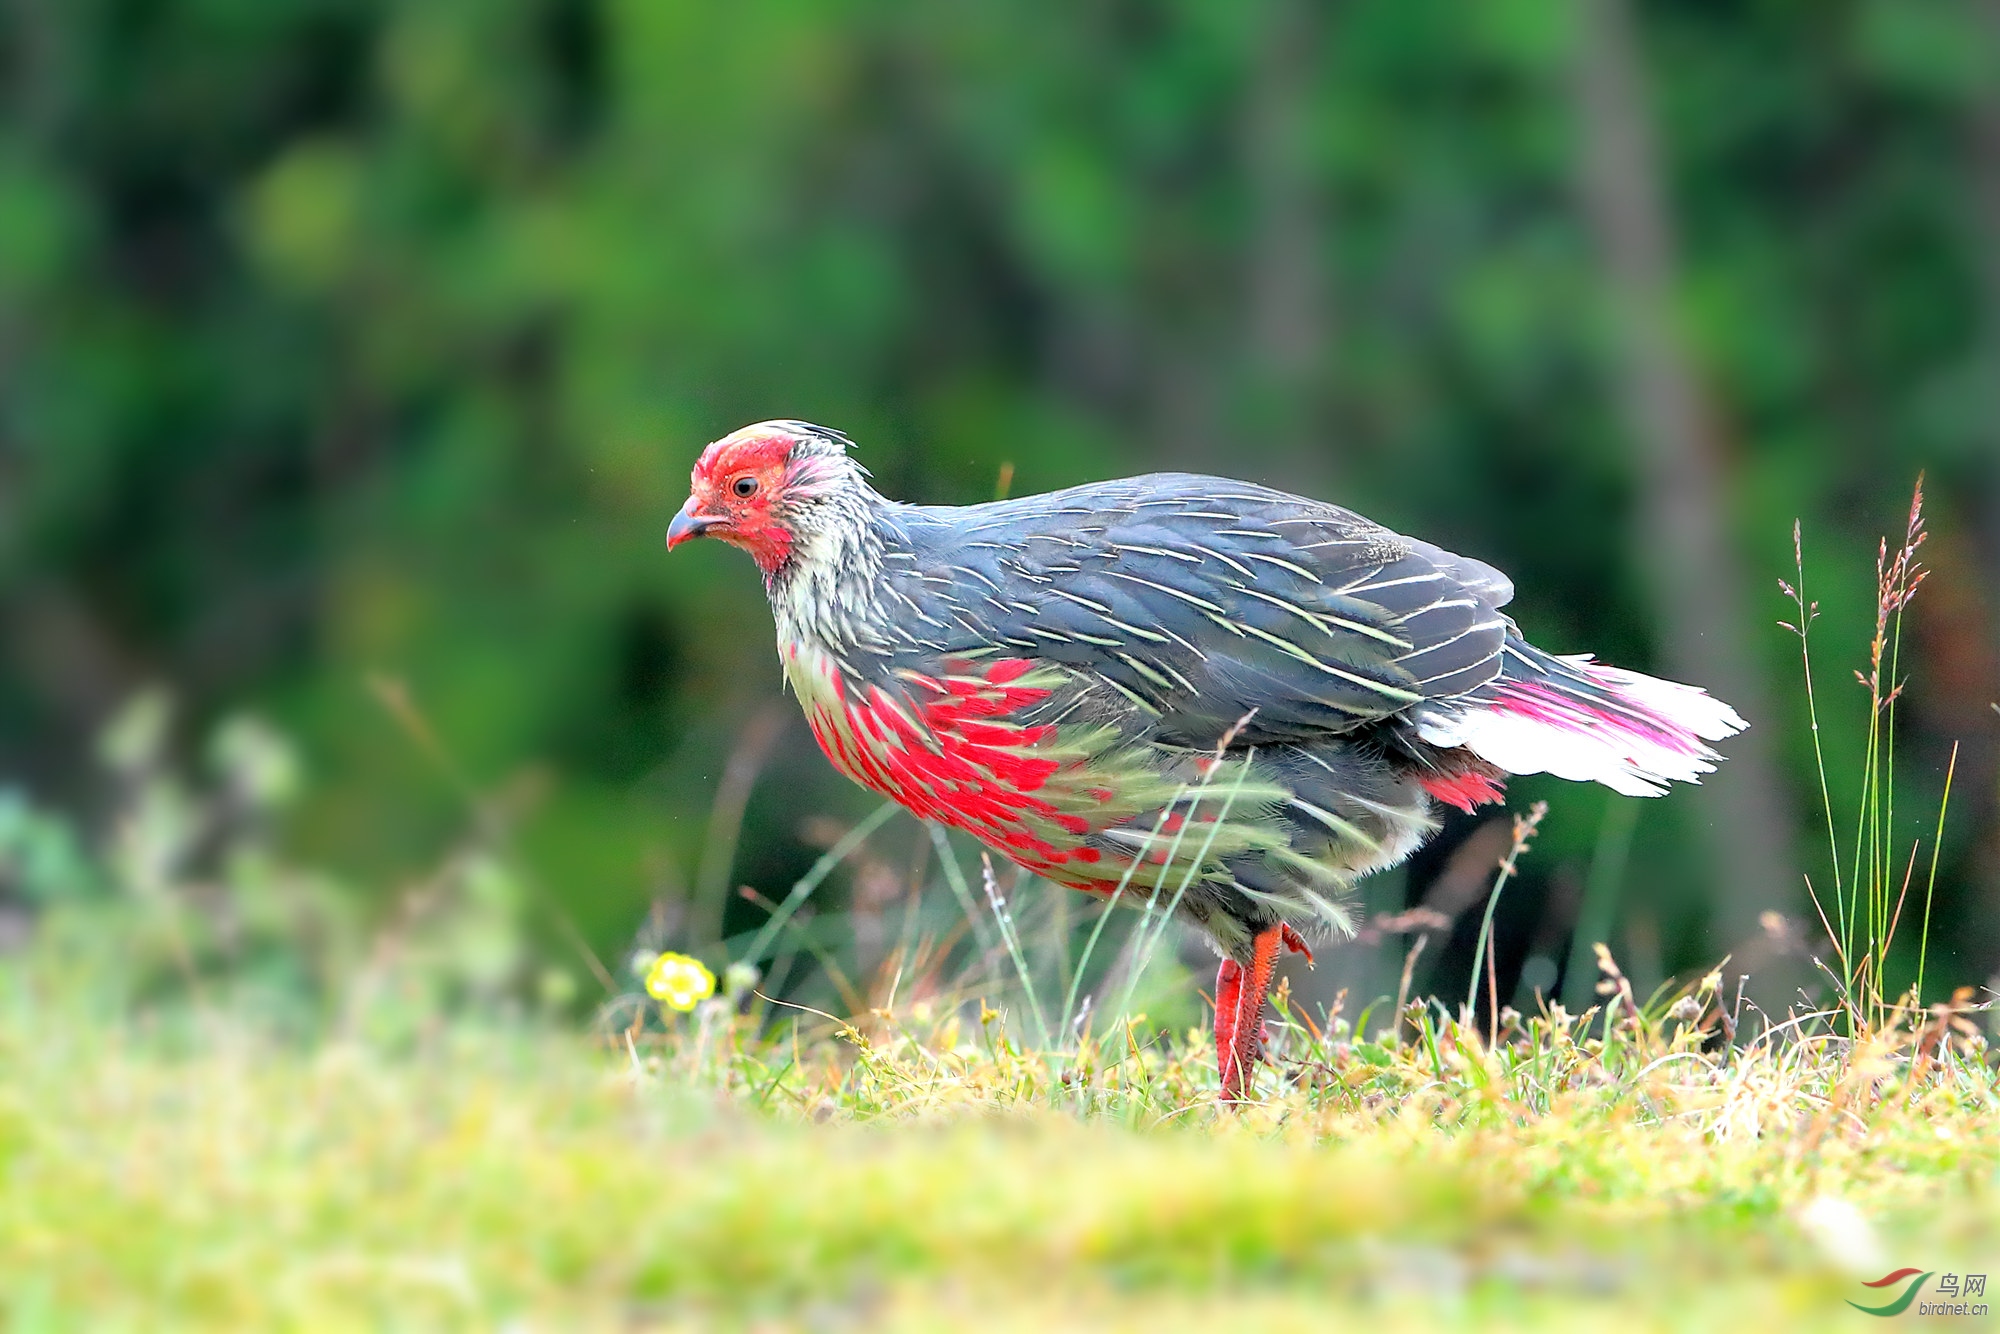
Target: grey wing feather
{"x": 1202, "y": 598}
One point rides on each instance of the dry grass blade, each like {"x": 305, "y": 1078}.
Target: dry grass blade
{"x": 1524, "y": 833}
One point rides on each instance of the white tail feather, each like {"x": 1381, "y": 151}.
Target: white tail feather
{"x": 1635, "y": 734}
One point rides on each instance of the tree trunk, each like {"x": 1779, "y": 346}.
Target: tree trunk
{"x": 1985, "y": 174}
{"x": 1288, "y": 313}
{"x": 1287, "y": 340}
{"x": 1696, "y": 575}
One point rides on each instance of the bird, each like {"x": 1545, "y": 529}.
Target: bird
{"x": 1173, "y": 689}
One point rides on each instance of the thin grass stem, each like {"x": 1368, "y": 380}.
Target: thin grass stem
{"x": 1097, "y": 930}
{"x": 1808, "y": 612}
{"x": 810, "y": 881}
{"x": 1603, "y": 884}
{"x": 1524, "y": 832}
{"x": 1142, "y": 956}
{"x": 1007, "y": 934}
{"x": 954, "y": 876}
{"x": 1937, "y": 845}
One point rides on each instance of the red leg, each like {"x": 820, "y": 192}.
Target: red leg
{"x": 1239, "y": 1012}
{"x": 1228, "y": 997}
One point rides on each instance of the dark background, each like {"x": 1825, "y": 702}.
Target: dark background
{"x": 343, "y": 338}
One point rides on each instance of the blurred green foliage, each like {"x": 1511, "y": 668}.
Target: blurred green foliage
{"x": 186, "y": 908}
{"x": 352, "y": 337}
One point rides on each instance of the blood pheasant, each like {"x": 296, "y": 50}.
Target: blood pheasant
{"x": 1217, "y": 695}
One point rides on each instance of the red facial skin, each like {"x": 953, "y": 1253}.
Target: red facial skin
{"x": 715, "y": 507}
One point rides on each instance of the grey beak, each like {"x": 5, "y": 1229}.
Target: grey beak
{"x": 688, "y": 525}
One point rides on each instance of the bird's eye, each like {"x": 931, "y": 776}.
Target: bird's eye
{"x": 745, "y": 486}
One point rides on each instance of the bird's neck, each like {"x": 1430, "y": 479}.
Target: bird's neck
{"x": 827, "y": 597}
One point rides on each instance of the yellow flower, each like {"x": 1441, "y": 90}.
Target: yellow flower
{"x": 679, "y": 982}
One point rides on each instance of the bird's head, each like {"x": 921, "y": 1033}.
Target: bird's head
{"x": 769, "y": 489}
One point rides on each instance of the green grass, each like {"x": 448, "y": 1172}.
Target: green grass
{"x": 930, "y": 1174}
